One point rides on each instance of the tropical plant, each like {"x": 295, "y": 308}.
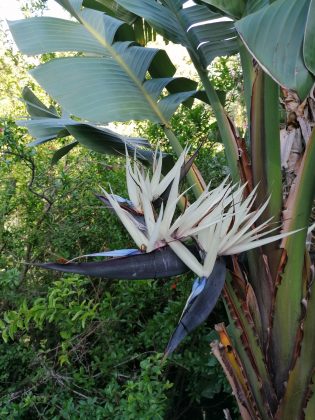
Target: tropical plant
{"x": 268, "y": 350}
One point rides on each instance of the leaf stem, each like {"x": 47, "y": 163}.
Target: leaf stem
{"x": 226, "y": 132}
{"x": 291, "y": 291}
{"x": 248, "y": 76}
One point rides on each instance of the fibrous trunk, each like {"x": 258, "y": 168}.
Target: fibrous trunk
{"x": 268, "y": 351}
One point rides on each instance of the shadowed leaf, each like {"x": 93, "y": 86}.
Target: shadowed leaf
{"x": 200, "y": 307}
{"x": 62, "y": 152}
{"x": 196, "y": 27}
{"x": 46, "y": 125}
{"x": 309, "y": 39}
{"x": 263, "y": 34}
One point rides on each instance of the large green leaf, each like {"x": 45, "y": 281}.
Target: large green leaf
{"x": 46, "y": 129}
{"x": 45, "y": 126}
{"x": 309, "y": 39}
{"x": 158, "y": 16}
{"x": 99, "y": 139}
{"x": 67, "y": 35}
{"x": 106, "y": 141}
{"x": 111, "y": 8}
{"x": 233, "y": 8}
{"x": 237, "y": 8}
{"x": 254, "y": 5}
{"x": 195, "y": 27}
{"x": 274, "y": 35}
{"x": 142, "y": 30}
{"x": 72, "y": 6}
{"x": 102, "y": 81}
{"x": 117, "y": 76}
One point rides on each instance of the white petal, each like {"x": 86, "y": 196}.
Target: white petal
{"x": 238, "y": 235}
{"x": 254, "y": 244}
{"x": 133, "y": 188}
{"x": 187, "y": 257}
{"x": 170, "y": 176}
{"x": 128, "y": 221}
{"x": 253, "y": 234}
{"x": 212, "y": 252}
{"x": 157, "y": 169}
{"x": 170, "y": 205}
{"x": 155, "y": 235}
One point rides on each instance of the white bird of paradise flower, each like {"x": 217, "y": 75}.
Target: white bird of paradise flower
{"x": 221, "y": 221}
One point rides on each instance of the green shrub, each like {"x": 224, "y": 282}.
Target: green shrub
{"x": 75, "y": 348}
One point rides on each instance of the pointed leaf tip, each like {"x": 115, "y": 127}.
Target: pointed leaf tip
{"x": 199, "y": 307}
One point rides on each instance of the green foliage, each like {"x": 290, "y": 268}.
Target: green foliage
{"x": 264, "y": 28}
{"x": 104, "y": 357}
{"x": 90, "y": 349}
{"x": 97, "y": 347}
{"x": 65, "y": 305}
{"x": 94, "y": 349}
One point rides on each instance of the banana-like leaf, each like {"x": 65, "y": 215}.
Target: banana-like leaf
{"x": 254, "y": 5}
{"x": 111, "y": 83}
{"x": 98, "y": 139}
{"x": 233, "y": 8}
{"x": 72, "y": 6}
{"x": 108, "y": 142}
{"x": 46, "y": 125}
{"x": 196, "y": 27}
{"x": 199, "y": 306}
{"x": 309, "y": 39}
{"x": 68, "y": 35}
{"x": 35, "y": 106}
{"x": 274, "y": 35}
{"x": 237, "y": 8}
{"x": 110, "y": 7}
{"x": 159, "y": 263}
{"x": 143, "y": 32}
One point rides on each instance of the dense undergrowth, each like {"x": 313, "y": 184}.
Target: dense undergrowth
{"x": 79, "y": 348}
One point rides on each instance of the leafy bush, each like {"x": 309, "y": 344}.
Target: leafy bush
{"x": 76, "y": 348}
